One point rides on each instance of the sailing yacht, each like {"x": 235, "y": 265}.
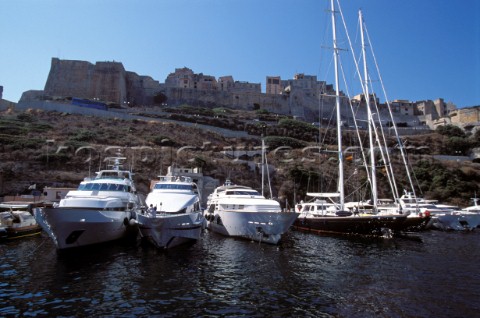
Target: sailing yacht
{"x": 331, "y": 216}
{"x": 99, "y": 210}
{"x": 174, "y": 216}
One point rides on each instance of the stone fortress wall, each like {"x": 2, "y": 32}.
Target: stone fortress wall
{"x": 303, "y": 97}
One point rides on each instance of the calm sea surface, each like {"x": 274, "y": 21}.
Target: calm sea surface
{"x": 306, "y": 276}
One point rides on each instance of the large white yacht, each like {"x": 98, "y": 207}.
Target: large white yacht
{"x": 174, "y": 214}
{"x": 459, "y": 220}
{"x": 100, "y": 210}
{"x": 240, "y": 211}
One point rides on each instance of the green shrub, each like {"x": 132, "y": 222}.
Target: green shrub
{"x": 84, "y": 136}
{"x": 450, "y": 131}
{"x": 26, "y": 117}
{"x": 297, "y": 125}
{"x": 274, "y": 142}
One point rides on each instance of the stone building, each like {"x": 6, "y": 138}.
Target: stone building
{"x": 404, "y": 107}
{"x": 186, "y": 78}
{"x": 225, "y": 83}
{"x": 434, "y": 113}
{"x": 308, "y": 85}
{"x": 360, "y": 101}
{"x": 274, "y": 85}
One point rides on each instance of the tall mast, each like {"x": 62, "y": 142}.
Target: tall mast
{"x": 337, "y": 103}
{"x": 263, "y": 165}
{"x": 370, "y": 117}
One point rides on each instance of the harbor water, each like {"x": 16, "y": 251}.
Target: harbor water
{"x": 307, "y": 275}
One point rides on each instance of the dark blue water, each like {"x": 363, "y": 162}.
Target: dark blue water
{"x": 306, "y": 276}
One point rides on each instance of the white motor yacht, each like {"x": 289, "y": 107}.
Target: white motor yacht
{"x": 100, "y": 210}
{"x": 240, "y": 211}
{"x": 174, "y": 214}
{"x": 459, "y": 220}
{"x": 442, "y": 217}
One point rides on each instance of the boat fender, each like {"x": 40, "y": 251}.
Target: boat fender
{"x": 126, "y": 222}
{"x": 427, "y": 213}
{"x": 132, "y": 222}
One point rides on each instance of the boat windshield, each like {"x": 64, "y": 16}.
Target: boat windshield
{"x": 242, "y": 192}
{"x": 173, "y": 186}
{"x": 113, "y": 175}
{"x": 91, "y": 186}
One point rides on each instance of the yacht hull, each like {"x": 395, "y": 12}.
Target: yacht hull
{"x": 416, "y": 223}
{"x": 371, "y": 225}
{"x": 267, "y": 227}
{"x": 76, "y": 227}
{"x": 456, "y": 221}
{"x": 167, "y": 231}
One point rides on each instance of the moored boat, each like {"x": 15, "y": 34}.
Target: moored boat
{"x": 333, "y": 216}
{"x": 459, "y": 220}
{"x": 174, "y": 215}
{"x": 321, "y": 216}
{"x": 240, "y": 211}
{"x": 99, "y": 210}
{"x": 16, "y": 221}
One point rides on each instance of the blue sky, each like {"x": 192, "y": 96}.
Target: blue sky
{"x": 426, "y": 49}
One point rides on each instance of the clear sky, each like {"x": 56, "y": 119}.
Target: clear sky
{"x": 426, "y": 49}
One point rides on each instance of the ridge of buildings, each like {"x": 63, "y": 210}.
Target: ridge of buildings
{"x": 299, "y": 97}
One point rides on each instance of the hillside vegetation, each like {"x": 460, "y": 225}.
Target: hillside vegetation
{"x": 60, "y": 149}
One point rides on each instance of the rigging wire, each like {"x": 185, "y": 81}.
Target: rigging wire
{"x": 399, "y": 141}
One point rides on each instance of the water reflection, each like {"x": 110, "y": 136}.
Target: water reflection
{"x": 307, "y": 275}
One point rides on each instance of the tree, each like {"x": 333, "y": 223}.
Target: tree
{"x": 450, "y": 131}
{"x": 160, "y": 98}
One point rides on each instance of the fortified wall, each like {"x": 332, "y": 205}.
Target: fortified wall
{"x": 109, "y": 82}
{"x": 294, "y": 105}
{"x": 465, "y": 117}
{"x": 105, "y": 81}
